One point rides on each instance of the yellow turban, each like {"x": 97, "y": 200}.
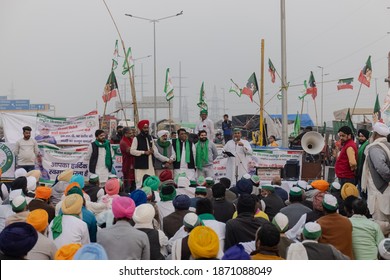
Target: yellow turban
{"x": 67, "y": 252}
{"x": 72, "y": 204}
{"x": 66, "y": 175}
{"x": 34, "y": 173}
{"x": 349, "y": 189}
{"x": 320, "y": 185}
{"x": 39, "y": 219}
{"x": 203, "y": 243}
{"x": 43, "y": 192}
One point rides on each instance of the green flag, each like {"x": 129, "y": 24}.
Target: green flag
{"x": 168, "y": 88}
{"x": 297, "y": 125}
{"x": 349, "y": 121}
{"x": 377, "y": 110}
{"x": 128, "y": 60}
{"x": 235, "y": 89}
{"x": 115, "y": 56}
{"x": 304, "y": 90}
{"x": 202, "y": 103}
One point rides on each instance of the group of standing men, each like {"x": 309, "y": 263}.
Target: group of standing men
{"x": 143, "y": 155}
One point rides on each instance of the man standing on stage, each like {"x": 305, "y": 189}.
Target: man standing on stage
{"x": 26, "y": 150}
{"x": 143, "y": 148}
{"x": 237, "y": 166}
{"x": 164, "y": 154}
{"x": 205, "y": 124}
{"x": 127, "y": 159}
{"x": 185, "y": 155}
{"x": 206, "y": 153}
{"x": 227, "y": 128}
{"x": 346, "y": 161}
{"x": 99, "y": 156}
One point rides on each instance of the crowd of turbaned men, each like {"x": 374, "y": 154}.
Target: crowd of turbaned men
{"x": 174, "y": 215}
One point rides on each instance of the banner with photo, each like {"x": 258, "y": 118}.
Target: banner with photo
{"x": 52, "y": 160}
{"x": 266, "y": 158}
{"x": 78, "y": 130}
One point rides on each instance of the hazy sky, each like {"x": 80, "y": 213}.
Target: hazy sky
{"x": 59, "y": 52}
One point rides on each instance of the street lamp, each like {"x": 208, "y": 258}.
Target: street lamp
{"x": 154, "y": 57}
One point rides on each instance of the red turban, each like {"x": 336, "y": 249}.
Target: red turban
{"x": 142, "y": 123}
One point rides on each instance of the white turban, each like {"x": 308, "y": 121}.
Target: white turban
{"x": 381, "y": 129}
{"x": 162, "y": 132}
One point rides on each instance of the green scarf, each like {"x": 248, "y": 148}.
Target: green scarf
{"x": 202, "y": 154}
{"x": 361, "y": 153}
{"x": 56, "y": 228}
{"x": 108, "y": 159}
{"x": 178, "y": 151}
{"x": 164, "y": 145}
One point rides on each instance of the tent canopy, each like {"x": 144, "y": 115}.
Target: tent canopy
{"x": 305, "y": 119}
{"x": 342, "y": 114}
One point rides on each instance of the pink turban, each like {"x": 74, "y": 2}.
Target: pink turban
{"x": 123, "y": 207}
{"x": 112, "y": 186}
{"x": 142, "y": 123}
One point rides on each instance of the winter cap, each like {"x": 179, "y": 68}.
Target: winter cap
{"x": 281, "y": 222}
{"x": 330, "y": 202}
{"x": 19, "y": 204}
{"x": 312, "y": 231}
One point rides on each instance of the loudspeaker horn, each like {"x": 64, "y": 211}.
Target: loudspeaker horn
{"x": 312, "y": 142}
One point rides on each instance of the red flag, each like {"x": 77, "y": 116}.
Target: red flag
{"x": 365, "y": 73}
{"x": 111, "y": 88}
{"x": 312, "y": 89}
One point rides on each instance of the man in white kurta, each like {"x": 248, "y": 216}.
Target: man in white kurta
{"x": 242, "y": 151}
{"x": 205, "y": 124}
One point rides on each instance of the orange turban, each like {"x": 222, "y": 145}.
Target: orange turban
{"x": 67, "y": 252}
{"x": 71, "y": 185}
{"x": 39, "y": 219}
{"x": 43, "y": 192}
{"x": 203, "y": 242}
{"x": 320, "y": 185}
{"x": 349, "y": 189}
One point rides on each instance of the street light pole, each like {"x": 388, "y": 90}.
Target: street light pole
{"x": 284, "y": 74}
{"x": 155, "y": 59}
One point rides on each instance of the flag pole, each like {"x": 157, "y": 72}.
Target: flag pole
{"x": 106, "y": 101}
{"x": 357, "y": 97}
{"x": 131, "y": 74}
{"x": 315, "y": 108}
{"x": 261, "y": 95}
{"x": 170, "y": 117}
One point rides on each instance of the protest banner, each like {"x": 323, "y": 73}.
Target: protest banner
{"x": 78, "y": 130}
{"x": 7, "y": 160}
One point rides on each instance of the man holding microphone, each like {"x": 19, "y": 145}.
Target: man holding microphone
{"x": 241, "y": 151}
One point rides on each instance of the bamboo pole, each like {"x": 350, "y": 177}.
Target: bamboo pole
{"x": 261, "y": 95}
{"x": 131, "y": 72}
